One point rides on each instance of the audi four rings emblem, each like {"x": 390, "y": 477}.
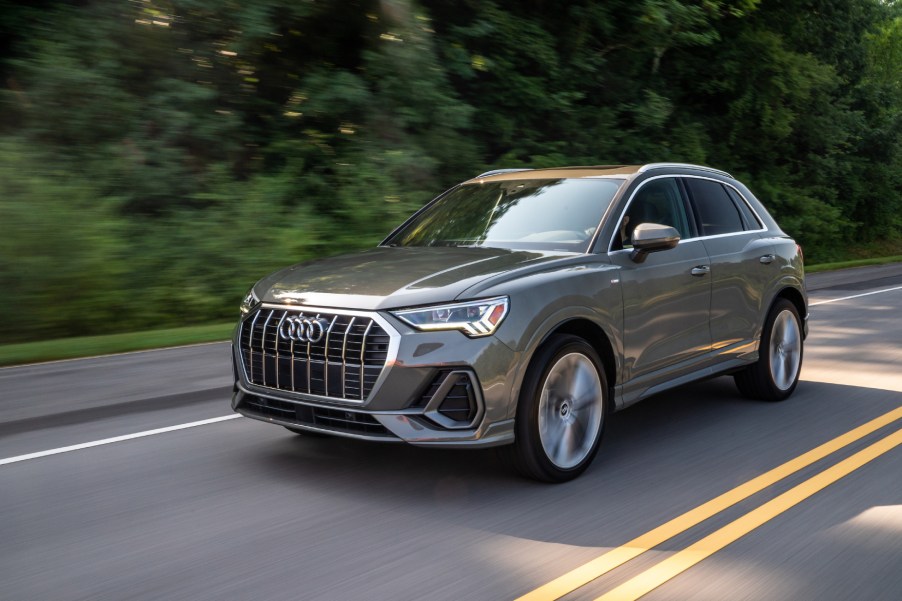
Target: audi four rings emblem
{"x": 303, "y": 329}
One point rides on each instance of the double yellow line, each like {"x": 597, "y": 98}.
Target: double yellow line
{"x": 688, "y": 557}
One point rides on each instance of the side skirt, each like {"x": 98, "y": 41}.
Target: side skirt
{"x": 634, "y": 391}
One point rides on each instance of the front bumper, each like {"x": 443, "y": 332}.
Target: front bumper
{"x": 439, "y": 389}
{"x": 408, "y": 427}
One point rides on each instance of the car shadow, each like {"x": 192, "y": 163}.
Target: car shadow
{"x": 659, "y": 458}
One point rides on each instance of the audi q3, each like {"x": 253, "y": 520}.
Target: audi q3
{"x": 520, "y": 308}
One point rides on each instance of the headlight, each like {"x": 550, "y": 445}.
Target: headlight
{"x": 250, "y": 302}
{"x": 475, "y": 318}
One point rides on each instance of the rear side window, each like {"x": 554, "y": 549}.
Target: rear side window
{"x": 715, "y": 210}
{"x": 751, "y": 221}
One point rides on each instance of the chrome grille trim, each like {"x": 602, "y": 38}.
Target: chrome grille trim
{"x": 263, "y": 345}
{"x": 326, "y": 353}
{"x": 362, "y": 376}
{"x": 322, "y": 371}
{"x": 344, "y": 364}
{"x": 250, "y": 344}
{"x": 309, "y": 373}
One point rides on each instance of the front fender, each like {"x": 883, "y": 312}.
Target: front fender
{"x": 541, "y": 303}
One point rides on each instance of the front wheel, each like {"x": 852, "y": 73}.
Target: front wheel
{"x": 561, "y": 412}
{"x": 776, "y": 373}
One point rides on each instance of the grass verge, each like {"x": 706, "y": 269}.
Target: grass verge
{"x": 854, "y": 263}
{"x": 87, "y": 346}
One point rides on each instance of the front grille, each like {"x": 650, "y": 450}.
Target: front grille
{"x": 344, "y": 364}
{"x": 339, "y": 420}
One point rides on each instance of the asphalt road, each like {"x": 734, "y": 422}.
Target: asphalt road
{"x": 239, "y": 509}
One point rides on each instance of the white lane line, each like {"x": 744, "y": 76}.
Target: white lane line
{"x": 836, "y": 300}
{"x": 97, "y": 443}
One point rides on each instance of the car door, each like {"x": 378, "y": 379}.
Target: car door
{"x": 742, "y": 264}
{"x": 666, "y": 298}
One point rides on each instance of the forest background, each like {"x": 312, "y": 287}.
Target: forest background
{"x": 159, "y": 156}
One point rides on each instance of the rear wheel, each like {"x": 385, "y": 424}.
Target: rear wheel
{"x": 561, "y": 411}
{"x": 776, "y": 373}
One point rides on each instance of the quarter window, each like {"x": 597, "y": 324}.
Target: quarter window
{"x": 751, "y": 221}
{"x": 715, "y": 210}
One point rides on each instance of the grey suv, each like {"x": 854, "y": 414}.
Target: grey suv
{"x": 521, "y": 307}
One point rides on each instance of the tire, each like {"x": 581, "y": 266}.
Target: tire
{"x": 307, "y": 433}
{"x": 774, "y": 376}
{"x": 561, "y": 412}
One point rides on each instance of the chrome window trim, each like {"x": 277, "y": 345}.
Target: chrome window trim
{"x": 749, "y": 205}
{"x": 674, "y": 175}
{"x": 394, "y": 342}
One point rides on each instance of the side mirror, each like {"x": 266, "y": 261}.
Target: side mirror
{"x": 652, "y": 237}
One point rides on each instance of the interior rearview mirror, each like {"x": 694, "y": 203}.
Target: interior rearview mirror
{"x": 652, "y": 237}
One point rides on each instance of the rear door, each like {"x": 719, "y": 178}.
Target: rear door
{"x": 742, "y": 263}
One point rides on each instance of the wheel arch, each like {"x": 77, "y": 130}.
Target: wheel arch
{"x": 589, "y": 331}
{"x": 795, "y": 296}
{"x": 595, "y": 336}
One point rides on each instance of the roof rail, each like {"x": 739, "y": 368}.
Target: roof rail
{"x": 651, "y": 166}
{"x": 497, "y": 171}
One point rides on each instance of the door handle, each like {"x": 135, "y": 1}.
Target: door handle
{"x": 700, "y": 270}
{"x": 767, "y": 259}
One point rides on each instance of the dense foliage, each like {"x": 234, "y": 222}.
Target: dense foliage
{"x": 157, "y": 156}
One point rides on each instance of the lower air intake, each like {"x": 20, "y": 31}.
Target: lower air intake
{"x": 337, "y": 420}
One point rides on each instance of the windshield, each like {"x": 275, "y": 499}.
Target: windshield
{"x": 560, "y": 214}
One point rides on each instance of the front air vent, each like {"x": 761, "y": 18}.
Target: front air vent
{"x": 432, "y": 390}
{"x": 459, "y": 403}
{"x": 452, "y": 400}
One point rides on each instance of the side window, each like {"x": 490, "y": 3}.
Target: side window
{"x": 715, "y": 210}
{"x": 658, "y": 201}
{"x": 751, "y": 222}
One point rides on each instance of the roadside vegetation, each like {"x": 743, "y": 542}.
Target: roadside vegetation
{"x": 156, "y": 157}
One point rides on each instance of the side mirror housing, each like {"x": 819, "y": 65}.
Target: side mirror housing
{"x": 652, "y": 237}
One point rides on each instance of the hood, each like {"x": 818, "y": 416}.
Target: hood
{"x": 394, "y": 277}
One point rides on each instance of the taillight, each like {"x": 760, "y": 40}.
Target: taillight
{"x": 801, "y": 254}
